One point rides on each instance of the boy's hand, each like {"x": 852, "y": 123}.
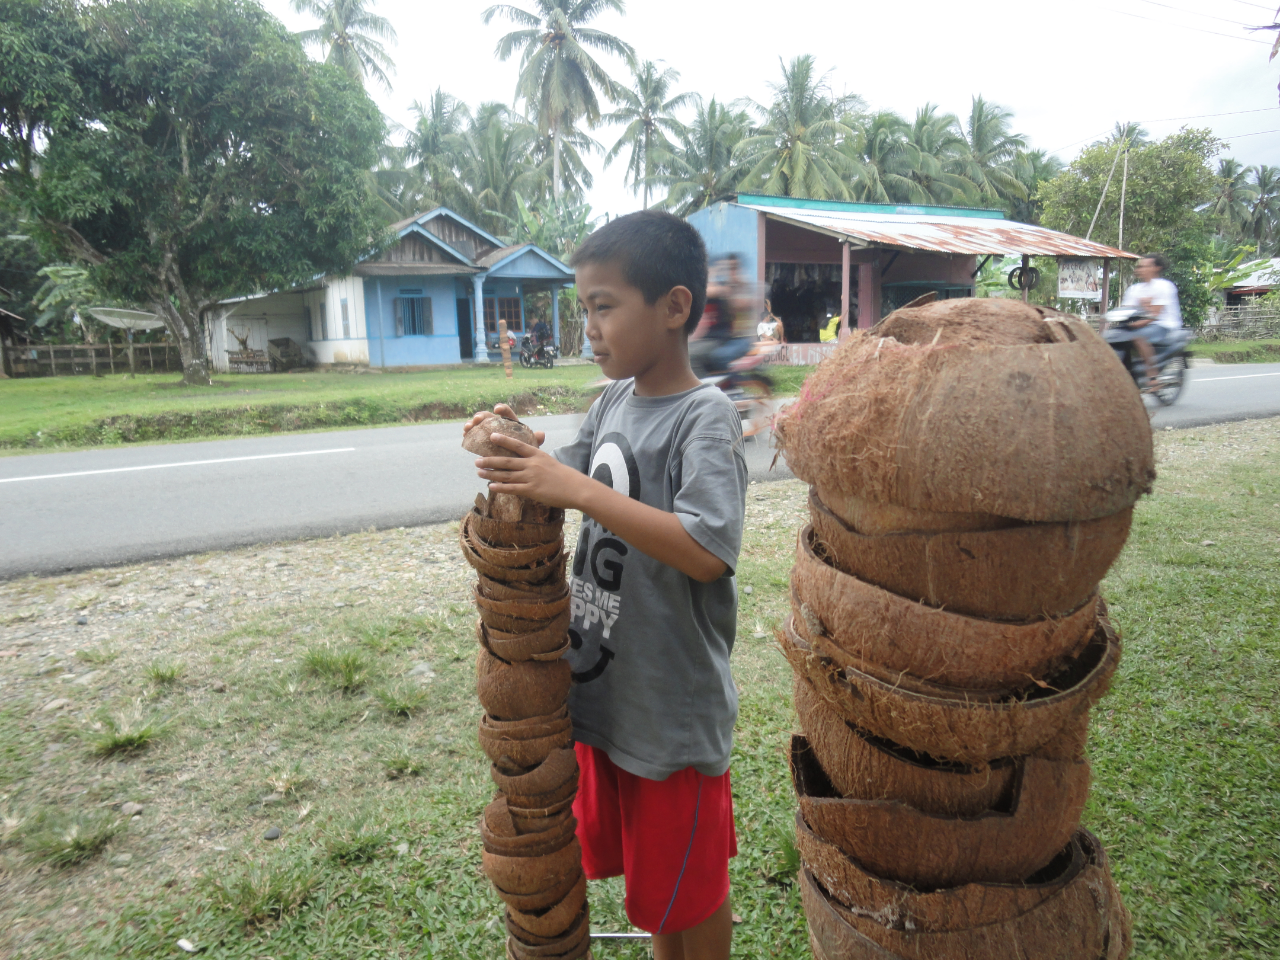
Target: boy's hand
{"x": 529, "y": 472}
{"x": 504, "y": 411}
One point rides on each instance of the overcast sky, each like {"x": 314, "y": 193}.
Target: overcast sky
{"x": 1068, "y": 70}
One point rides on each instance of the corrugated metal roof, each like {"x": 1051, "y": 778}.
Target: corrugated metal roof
{"x": 940, "y": 234}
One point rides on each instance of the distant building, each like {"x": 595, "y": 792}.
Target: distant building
{"x": 428, "y": 299}
{"x": 1264, "y": 278}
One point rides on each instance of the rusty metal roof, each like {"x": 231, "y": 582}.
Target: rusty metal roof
{"x": 976, "y": 232}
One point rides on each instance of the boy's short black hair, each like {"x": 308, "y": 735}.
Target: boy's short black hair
{"x": 655, "y": 251}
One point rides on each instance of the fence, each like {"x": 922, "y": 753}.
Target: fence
{"x": 51, "y": 360}
{"x": 1248, "y": 322}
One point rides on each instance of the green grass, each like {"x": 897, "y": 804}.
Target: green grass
{"x": 379, "y": 857}
{"x": 60, "y": 840}
{"x": 403, "y": 700}
{"x": 164, "y": 673}
{"x": 343, "y": 670}
{"x": 1238, "y": 351}
{"x": 125, "y": 732}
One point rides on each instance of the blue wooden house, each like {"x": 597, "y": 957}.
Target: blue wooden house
{"x": 429, "y": 298}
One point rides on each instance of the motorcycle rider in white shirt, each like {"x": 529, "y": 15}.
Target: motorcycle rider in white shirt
{"x": 1157, "y": 299}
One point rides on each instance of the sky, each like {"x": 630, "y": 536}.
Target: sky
{"x": 1068, "y": 70}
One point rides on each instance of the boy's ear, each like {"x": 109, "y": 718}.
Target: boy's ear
{"x": 678, "y": 302}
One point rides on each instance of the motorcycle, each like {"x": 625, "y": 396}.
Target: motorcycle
{"x": 1171, "y": 360}
{"x": 544, "y": 354}
{"x": 744, "y": 382}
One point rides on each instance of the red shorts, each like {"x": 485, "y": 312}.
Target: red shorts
{"x": 672, "y": 839}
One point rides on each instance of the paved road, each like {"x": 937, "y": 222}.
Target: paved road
{"x": 67, "y": 511}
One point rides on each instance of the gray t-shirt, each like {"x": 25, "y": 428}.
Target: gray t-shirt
{"x": 649, "y": 646}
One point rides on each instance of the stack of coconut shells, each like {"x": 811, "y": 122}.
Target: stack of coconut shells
{"x": 531, "y": 853}
{"x": 973, "y": 468}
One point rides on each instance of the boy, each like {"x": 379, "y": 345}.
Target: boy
{"x": 658, "y": 473}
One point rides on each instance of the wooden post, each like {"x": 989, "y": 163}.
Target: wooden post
{"x": 1105, "y": 303}
{"x": 1026, "y": 265}
{"x": 844, "y": 290}
{"x": 111, "y": 355}
{"x": 3, "y": 374}
{"x": 504, "y": 346}
{"x": 133, "y": 370}
{"x": 868, "y": 279}
{"x": 53, "y": 360}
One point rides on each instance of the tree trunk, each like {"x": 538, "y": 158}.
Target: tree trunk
{"x": 185, "y": 328}
{"x": 555, "y": 159}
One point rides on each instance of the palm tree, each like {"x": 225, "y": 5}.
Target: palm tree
{"x": 1264, "y": 211}
{"x": 938, "y": 141}
{"x": 991, "y": 150}
{"x": 794, "y": 152}
{"x": 1032, "y": 168}
{"x": 558, "y": 77}
{"x": 648, "y": 111}
{"x": 438, "y": 145}
{"x": 497, "y": 165}
{"x": 1232, "y": 205}
{"x": 346, "y": 32}
{"x": 702, "y": 170}
{"x": 885, "y": 160}
{"x": 575, "y": 177}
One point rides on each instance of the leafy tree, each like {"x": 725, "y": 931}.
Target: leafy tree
{"x": 648, "y": 110}
{"x": 992, "y": 149}
{"x": 498, "y": 165}
{"x": 557, "y": 226}
{"x": 884, "y": 162}
{"x": 204, "y": 156}
{"x": 701, "y": 171}
{"x": 1264, "y": 208}
{"x": 439, "y": 145}
{"x": 1232, "y": 202}
{"x": 938, "y": 142}
{"x": 795, "y": 150}
{"x": 19, "y": 263}
{"x": 1032, "y": 168}
{"x": 558, "y": 76}
{"x": 346, "y": 32}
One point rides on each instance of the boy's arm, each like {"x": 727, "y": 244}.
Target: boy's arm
{"x": 531, "y": 473}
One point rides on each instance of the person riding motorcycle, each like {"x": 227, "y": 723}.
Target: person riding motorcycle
{"x": 726, "y": 332}
{"x": 1157, "y": 299}
{"x": 541, "y": 333}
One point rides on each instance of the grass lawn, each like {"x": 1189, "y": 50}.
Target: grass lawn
{"x": 1238, "y": 351}
{"x": 241, "y": 719}
{"x": 64, "y": 412}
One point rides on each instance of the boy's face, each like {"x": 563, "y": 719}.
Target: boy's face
{"x": 628, "y": 336}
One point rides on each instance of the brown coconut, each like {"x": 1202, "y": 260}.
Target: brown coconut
{"x": 554, "y": 920}
{"x": 902, "y": 907}
{"x": 527, "y": 752}
{"x": 494, "y": 589}
{"x": 532, "y": 902}
{"x": 899, "y": 842}
{"x": 550, "y": 642}
{"x": 1016, "y": 573}
{"x": 1051, "y": 720}
{"x": 875, "y": 519}
{"x": 529, "y": 844}
{"x": 539, "y": 572}
{"x": 514, "y": 533}
{"x": 873, "y": 624}
{"x": 518, "y": 690}
{"x": 1069, "y": 926}
{"x": 1033, "y": 430}
{"x": 476, "y": 440}
{"x": 508, "y": 556}
{"x": 532, "y": 608}
{"x": 869, "y": 768}
{"x": 534, "y": 805}
{"x": 560, "y": 768}
{"x": 567, "y": 936}
{"x": 517, "y": 627}
{"x": 530, "y": 875}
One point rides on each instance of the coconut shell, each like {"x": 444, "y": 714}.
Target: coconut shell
{"x": 535, "y": 822}
{"x": 514, "y": 533}
{"x": 549, "y": 643}
{"x": 508, "y": 556}
{"x": 567, "y": 937}
{"x": 1069, "y": 926}
{"x": 532, "y": 727}
{"x": 533, "y": 608}
{"x": 541, "y": 572}
{"x": 1017, "y": 573}
{"x": 518, "y": 627}
{"x": 902, "y": 907}
{"x": 530, "y": 844}
{"x": 1051, "y": 720}
{"x": 476, "y": 440}
{"x": 506, "y": 506}
{"x": 868, "y": 768}
{"x": 899, "y": 842}
{"x": 554, "y": 920}
{"x": 1037, "y": 432}
{"x": 492, "y": 589}
{"x": 560, "y": 767}
{"x": 530, "y": 875}
{"x": 541, "y": 900}
{"x": 875, "y": 519}
{"x": 873, "y": 624}
{"x": 523, "y": 753}
{"x": 533, "y": 805}
{"x": 518, "y": 690}
{"x": 517, "y": 951}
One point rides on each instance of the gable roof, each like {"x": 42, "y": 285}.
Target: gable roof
{"x": 533, "y": 256}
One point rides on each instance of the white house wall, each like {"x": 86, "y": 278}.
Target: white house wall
{"x": 335, "y": 348}
{"x": 272, "y": 317}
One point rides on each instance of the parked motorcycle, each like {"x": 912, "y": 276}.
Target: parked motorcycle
{"x": 1171, "y": 361}
{"x": 544, "y": 354}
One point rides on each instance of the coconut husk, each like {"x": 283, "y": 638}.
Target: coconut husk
{"x": 559, "y": 769}
{"x": 551, "y": 642}
{"x": 1017, "y": 573}
{"x": 508, "y": 751}
{"x": 536, "y": 822}
{"x": 554, "y": 920}
{"x": 1120, "y": 925}
{"x": 492, "y": 589}
{"x": 533, "y": 608}
{"x": 476, "y": 440}
{"x": 870, "y": 768}
{"x": 522, "y": 729}
{"x": 1051, "y": 721}
{"x": 564, "y": 939}
{"x": 899, "y": 842}
{"x": 541, "y": 900}
{"x": 540, "y": 572}
{"x": 1033, "y": 431}
{"x": 518, "y": 951}
{"x": 530, "y": 875}
{"x": 522, "y": 556}
{"x": 533, "y": 805}
{"x": 529, "y": 844}
{"x": 506, "y": 506}
{"x": 873, "y": 624}
{"x": 902, "y": 907}
{"x": 876, "y": 519}
{"x": 514, "y": 533}
{"x": 1069, "y": 926}
{"x": 514, "y": 627}
{"x": 518, "y": 690}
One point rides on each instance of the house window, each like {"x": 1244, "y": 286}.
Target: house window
{"x": 306, "y": 318}
{"x": 413, "y": 317}
{"x": 346, "y": 321}
{"x": 324, "y": 320}
{"x": 503, "y": 308}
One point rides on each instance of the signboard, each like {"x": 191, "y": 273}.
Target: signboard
{"x": 1079, "y": 278}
